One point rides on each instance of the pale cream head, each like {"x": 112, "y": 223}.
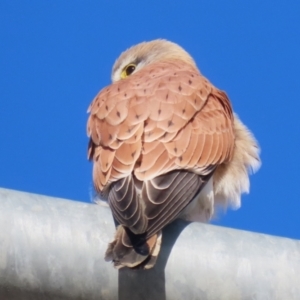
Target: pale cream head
{"x": 146, "y": 53}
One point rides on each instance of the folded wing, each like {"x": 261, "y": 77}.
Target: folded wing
{"x": 155, "y": 139}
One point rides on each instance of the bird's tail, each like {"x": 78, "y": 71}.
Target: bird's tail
{"x": 123, "y": 253}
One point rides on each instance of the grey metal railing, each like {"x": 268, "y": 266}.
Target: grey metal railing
{"x": 54, "y": 249}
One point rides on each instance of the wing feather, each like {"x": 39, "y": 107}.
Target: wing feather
{"x": 159, "y": 202}
{"x": 155, "y": 138}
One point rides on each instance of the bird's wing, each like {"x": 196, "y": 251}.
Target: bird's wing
{"x": 165, "y": 117}
{"x": 157, "y": 204}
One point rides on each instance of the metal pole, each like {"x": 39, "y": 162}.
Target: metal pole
{"x": 53, "y": 249}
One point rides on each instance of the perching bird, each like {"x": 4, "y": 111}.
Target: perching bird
{"x": 165, "y": 144}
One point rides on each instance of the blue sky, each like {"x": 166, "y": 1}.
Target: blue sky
{"x": 56, "y": 55}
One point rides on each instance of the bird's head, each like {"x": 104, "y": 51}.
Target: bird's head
{"x": 143, "y": 54}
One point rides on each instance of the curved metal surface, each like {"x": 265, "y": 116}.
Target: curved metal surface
{"x": 53, "y": 249}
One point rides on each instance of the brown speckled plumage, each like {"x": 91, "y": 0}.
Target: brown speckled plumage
{"x": 156, "y": 139}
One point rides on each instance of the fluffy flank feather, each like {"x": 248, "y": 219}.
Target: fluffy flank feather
{"x": 232, "y": 179}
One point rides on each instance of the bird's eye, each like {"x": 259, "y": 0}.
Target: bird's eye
{"x": 128, "y": 70}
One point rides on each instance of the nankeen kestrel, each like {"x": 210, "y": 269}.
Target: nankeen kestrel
{"x": 165, "y": 144}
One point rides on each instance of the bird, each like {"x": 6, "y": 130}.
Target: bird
{"x": 165, "y": 144}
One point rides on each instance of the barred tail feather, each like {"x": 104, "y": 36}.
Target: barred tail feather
{"x": 123, "y": 253}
